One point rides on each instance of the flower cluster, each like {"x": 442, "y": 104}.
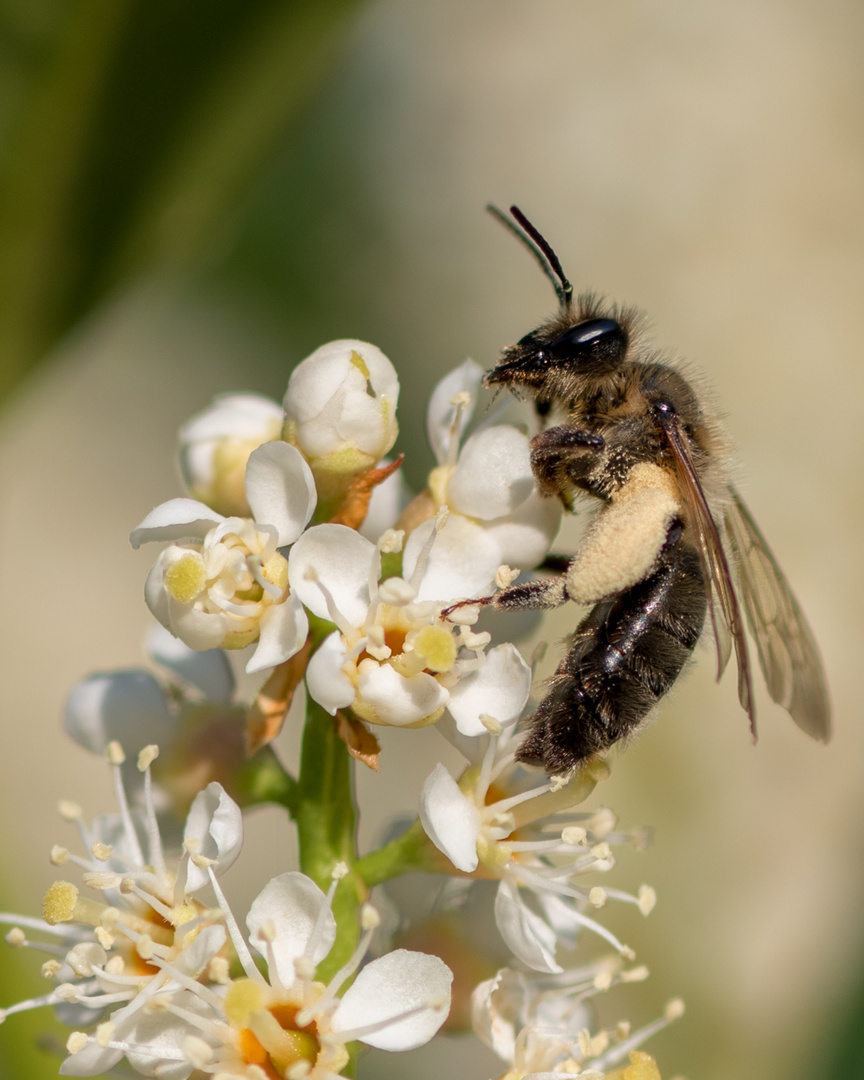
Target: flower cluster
{"x": 297, "y": 548}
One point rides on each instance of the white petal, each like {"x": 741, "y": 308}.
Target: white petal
{"x": 195, "y": 956}
{"x": 293, "y": 903}
{"x": 317, "y": 378}
{"x": 439, "y": 415}
{"x": 283, "y": 631}
{"x": 341, "y": 560}
{"x": 177, "y": 519}
{"x": 200, "y": 630}
{"x": 159, "y": 1037}
{"x": 498, "y": 1011}
{"x": 526, "y": 535}
{"x": 280, "y": 489}
{"x": 334, "y": 405}
{"x": 493, "y": 475}
{"x": 462, "y": 562}
{"x": 237, "y": 416}
{"x": 397, "y": 699}
{"x": 215, "y": 825}
{"x": 210, "y": 672}
{"x": 499, "y": 689}
{"x": 93, "y": 1060}
{"x": 526, "y": 934}
{"x": 391, "y": 986}
{"x": 326, "y": 681}
{"x": 452, "y": 821}
{"x": 126, "y": 706}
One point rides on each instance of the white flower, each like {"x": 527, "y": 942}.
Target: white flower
{"x": 538, "y": 906}
{"x": 214, "y": 447}
{"x": 222, "y": 583}
{"x": 391, "y": 659}
{"x": 497, "y": 514}
{"x": 542, "y": 1026}
{"x": 286, "y": 1023}
{"x": 146, "y": 939}
{"x": 340, "y": 411}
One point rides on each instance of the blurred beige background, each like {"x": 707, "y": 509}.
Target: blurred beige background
{"x": 703, "y": 161}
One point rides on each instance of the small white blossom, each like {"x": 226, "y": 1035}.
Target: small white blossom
{"x": 542, "y": 1026}
{"x": 145, "y": 939}
{"x": 497, "y": 514}
{"x": 214, "y": 448}
{"x": 340, "y": 411}
{"x": 392, "y": 659}
{"x": 537, "y": 856}
{"x": 222, "y": 583}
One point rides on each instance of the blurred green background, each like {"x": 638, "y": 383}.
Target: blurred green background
{"x": 195, "y": 194}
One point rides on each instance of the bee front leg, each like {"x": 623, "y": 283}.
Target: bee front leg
{"x": 561, "y": 456}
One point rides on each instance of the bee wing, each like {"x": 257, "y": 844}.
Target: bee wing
{"x": 725, "y": 612}
{"x": 785, "y": 645}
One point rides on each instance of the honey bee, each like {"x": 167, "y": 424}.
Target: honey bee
{"x": 671, "y": 544}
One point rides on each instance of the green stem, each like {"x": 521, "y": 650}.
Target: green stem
{"x": 411, "y": 851}
{"x": 326, "y": 817}
{"x": 264, "y": 779}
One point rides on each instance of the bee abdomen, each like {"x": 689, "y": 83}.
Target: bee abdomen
{"x": 625, "y": 655}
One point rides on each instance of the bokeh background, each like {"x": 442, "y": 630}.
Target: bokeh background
{"x": 193, "y": 195}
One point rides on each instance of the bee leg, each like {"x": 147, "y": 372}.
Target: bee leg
{"x": 545, "y": 593}
{"x": 560, "y": 456}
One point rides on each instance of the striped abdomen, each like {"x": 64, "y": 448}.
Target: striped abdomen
{"x": 625, "y": 655}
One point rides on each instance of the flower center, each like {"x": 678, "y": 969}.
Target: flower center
{"x": 269, "y": 1035}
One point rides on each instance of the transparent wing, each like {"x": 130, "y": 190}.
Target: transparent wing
{"x": 723, "y": 607}
{"x": 787, "y": 651}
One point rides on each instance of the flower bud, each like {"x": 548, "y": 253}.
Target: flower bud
{"x": 215, "y": 446}
{"x": 340, "y": 412}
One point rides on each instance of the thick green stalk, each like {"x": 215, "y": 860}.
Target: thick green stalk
{"x": 326, "y": 817}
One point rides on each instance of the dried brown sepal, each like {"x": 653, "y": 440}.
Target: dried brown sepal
{"x": 359, "y": 740}
{"x": 268, "y": 711}
{"x": 355, "y": 505}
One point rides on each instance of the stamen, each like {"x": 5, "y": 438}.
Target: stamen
{"x": 154, "y": 839}
{"x": 423, "y": 558}
{"x": 237, "y": 939}
{"x": 116, "y": 757}
{"x": 254, "y": 564}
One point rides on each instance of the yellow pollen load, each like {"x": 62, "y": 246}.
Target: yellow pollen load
{"x": 185, "y": 579}
{"x": 437, "y": 647}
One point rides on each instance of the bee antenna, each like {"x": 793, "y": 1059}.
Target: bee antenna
{"x": 540, "y": 248}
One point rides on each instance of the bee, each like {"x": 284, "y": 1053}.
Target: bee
{"x": 671, "y": 546}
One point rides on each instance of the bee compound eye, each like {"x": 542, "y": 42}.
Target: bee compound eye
{"x": 600, "y": 339}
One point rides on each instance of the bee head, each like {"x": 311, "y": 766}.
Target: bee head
{"x": 591, "y": 347}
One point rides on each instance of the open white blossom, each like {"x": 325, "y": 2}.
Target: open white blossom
{"x": 497, "y": 514}
{"x": 145, "y": 938}
{"x": 222, "y": 583}
{"x": 530, "y": 838}
{"x": 541, "y": 1026}
{"x": 214, "y": 448}
{"x": 340, "y": 411}
{"x": 392, "y": 659}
